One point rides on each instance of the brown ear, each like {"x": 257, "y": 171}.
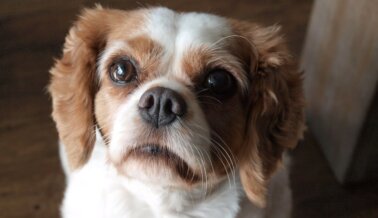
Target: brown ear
{"x": 73, "y": 84}
{"x": 275, "y": 117}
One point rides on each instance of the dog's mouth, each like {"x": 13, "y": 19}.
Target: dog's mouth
{"x": 154, "y": 150}
{"x": 162, "y": 155}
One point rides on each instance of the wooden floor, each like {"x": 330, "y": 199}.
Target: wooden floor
{"x": 32, "y": 33}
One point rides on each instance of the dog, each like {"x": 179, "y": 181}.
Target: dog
{"x": 162, "y": 114}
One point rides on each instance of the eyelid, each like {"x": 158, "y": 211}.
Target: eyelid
{"x": 123, "y": 57}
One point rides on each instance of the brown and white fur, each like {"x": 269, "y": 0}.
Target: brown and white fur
{"x": 221, "y": 156}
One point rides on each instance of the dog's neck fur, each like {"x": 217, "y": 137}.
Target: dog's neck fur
{"x": 222, "y": 201}
{"x": 138, "y": 199}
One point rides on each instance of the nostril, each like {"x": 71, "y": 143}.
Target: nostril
{"x": 172, "y": 104}
{"x": 168, "y": 106}
{"x": 146, "y": 101}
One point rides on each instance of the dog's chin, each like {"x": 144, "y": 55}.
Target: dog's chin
{"x": 157, "y": 164}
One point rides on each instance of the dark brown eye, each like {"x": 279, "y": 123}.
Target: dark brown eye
{"x": 122, "y": 71}
{"x": 220, "y": 82}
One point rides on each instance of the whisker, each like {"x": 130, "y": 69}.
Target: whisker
{"x": 201, "y": 157}
{"x": 201, "y": 91}
{"x": 230, "y": 158}
{"x": 210, "y": 97}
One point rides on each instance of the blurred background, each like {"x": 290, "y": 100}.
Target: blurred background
{"x": 334, "y": 169}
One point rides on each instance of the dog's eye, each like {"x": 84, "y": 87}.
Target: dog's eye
{"x": 122, "y": 71}
{"x": 220, "y": 82}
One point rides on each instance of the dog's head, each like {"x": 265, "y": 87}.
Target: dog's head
{"x": 179, "y": 98}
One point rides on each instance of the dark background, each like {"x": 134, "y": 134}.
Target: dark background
{"x": 32, "y": 34}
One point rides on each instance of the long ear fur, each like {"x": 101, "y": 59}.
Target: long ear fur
{"x": 276, "y": 103}
{"x": 73, "y": 84}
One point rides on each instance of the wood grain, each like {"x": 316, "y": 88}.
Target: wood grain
{"x": 340, "y": 64}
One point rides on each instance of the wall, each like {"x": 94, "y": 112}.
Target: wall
{"x": 340, "y": 60}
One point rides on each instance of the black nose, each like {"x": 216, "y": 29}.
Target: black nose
{"x": 161, "y": 106}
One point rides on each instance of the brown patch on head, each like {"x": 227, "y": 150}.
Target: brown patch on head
{"x": 197, "y": 62}
{"x": 194, "y": 62}
{"x": 148, "y": 54}
{"x": 73, "y": 82}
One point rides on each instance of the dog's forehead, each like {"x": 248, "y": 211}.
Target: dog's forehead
{"x": 180, "y": 33}
{"x": 179, "y": 30}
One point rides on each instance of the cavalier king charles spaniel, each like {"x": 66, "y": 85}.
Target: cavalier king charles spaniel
{"x": 163, "y": 114}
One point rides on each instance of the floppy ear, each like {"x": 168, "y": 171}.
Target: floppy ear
{"x": 73, "y": 84}
{"x": 275, "y": 116}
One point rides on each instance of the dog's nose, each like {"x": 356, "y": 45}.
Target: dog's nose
{"x": 161, "y": 106}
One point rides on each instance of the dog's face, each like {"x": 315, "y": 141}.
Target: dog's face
{"x": 181, "y": 99}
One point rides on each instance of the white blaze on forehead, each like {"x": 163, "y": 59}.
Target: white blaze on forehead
{"x": 176, "y": 32}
